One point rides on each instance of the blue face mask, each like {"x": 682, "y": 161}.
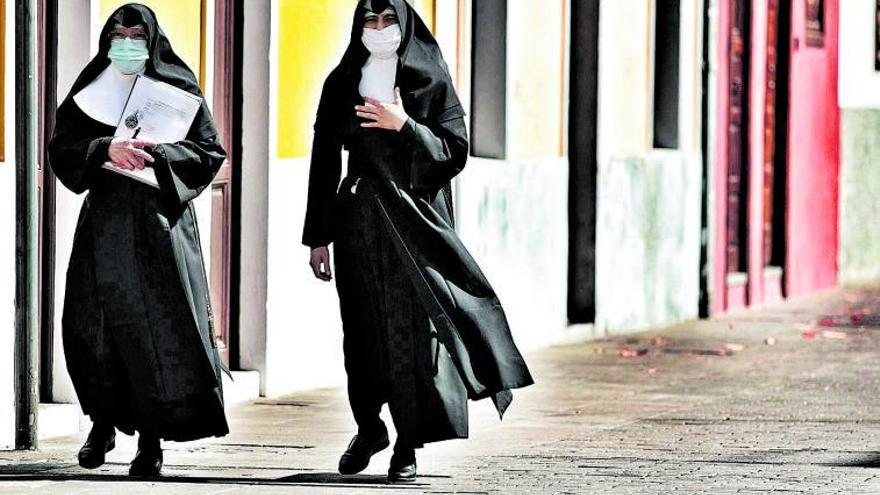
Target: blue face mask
{"x": 128, "y": 55}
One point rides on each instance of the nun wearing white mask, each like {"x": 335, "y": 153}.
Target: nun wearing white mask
{"x": 423, "y": 329}
{"x": 137, "y": 323}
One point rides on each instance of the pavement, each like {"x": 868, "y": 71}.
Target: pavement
{"x": 783, "y": 399}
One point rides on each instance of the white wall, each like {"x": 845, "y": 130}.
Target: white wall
{"x": 513, "y": 217}
{"x": 7, "y": 247}
{"x": 74, "y": 51}
{"x": 255, "y": 188}
{"x": 648, "y": 218}
{"x": 859, "y": 83}
{"x": 512, "y": 214}
{"x": 303, "y": 327}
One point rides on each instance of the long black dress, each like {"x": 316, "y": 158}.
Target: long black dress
{"x": 137, "y": 323}
{"x": 423, "y": 329}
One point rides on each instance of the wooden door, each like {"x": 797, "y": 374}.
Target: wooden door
{"x": 737, "y": 172}
{"x": 222, "y": 191}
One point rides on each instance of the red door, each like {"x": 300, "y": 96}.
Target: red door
{"x": 813, "y": 150}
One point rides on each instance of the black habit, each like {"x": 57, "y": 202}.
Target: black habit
{"x": 137, "y": 323}
{"x": 423, "y": 328}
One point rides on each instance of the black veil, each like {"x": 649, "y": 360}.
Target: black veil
{"x": 423, "y": 76}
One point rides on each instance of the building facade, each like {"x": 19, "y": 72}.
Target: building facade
{"x": 775, "y": 151}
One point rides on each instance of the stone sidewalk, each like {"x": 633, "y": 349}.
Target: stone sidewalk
{"x": 786, "y": 399}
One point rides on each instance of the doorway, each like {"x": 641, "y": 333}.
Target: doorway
{"x": 583, "y": 161}
{"x": 225, "y": 203}
{"x": 773, "y": 221}
{"x": 736, "y": 227}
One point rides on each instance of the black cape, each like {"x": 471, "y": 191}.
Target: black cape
{"x": 137, "y": 323}
{"x": 413, "y": 171}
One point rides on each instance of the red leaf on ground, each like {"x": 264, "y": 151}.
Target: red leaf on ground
{"x": 631, "y": 353}
{"x": 809, "y": 335}
{"x": 857, "y": 318}
{"x": 826, "y": 322}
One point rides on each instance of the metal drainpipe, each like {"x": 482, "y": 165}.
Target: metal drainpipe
{"x": 27, "y": 221}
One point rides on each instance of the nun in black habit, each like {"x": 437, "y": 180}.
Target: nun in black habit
{"x": 137, "y": 324}
{"x": 423, "y": 329}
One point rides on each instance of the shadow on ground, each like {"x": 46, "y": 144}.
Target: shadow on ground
{"x": 869, "y": 461}
{"x": 61, "y": 472}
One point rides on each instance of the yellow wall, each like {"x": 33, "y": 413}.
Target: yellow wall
{"x": 182, "y": 22}
{"x": 2, "y": 80}
{"x": 311, "y": 39}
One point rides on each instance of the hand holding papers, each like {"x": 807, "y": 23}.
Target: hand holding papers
{"x": 157, "y": 112}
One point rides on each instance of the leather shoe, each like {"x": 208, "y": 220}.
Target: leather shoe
{"x": 147, "y": 463}
{"x": 402, "y": 469}
{"x": 101, "y": 439}
{"x": 357, "y": 456}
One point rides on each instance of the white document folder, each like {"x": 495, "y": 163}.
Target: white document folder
{"x": 156, "y": 111}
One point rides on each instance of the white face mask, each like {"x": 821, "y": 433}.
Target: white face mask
{"x": 383, "y": 43}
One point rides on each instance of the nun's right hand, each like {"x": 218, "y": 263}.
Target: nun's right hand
{"x": 320, "y": 263}
{"x": 129, "y": 154}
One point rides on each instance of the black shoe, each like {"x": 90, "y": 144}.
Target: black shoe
{"x": 101, "y": 439}
{"x": 402, "y": 468}
{"x": 147, "y": 463}
{"x": 357, "y": 456}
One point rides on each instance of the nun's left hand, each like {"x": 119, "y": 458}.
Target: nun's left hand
{"x": 389, "y": 116}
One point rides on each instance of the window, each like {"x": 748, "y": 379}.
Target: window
{"x": 877, "y": 36}
{"x": 666, "y": 73}
{"x": 815, "y": 23}
{"x": 489, "y": 79}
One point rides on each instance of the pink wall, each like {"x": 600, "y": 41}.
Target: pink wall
{"x": 757, "y": 97}
{"x": 814, "y": 158}
{"x": 718, "y": 301}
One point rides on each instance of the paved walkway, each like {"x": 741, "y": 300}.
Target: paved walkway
{"x": 705, "y": 407}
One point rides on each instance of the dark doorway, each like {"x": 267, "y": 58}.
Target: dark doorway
{"x": 738, "y": 150}
{"x": 776, "y": 133}
{"x": 225, "y": 203}
{"x": 583, "y": 167}
{"x": 47, "y": 64}
{"x": 705, "y": 267}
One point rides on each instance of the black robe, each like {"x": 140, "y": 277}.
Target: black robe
{"x": 137, "y": 324}
{"x": 407, "y": 178}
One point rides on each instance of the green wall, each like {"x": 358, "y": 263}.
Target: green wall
{"x": 860, "y": 196}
